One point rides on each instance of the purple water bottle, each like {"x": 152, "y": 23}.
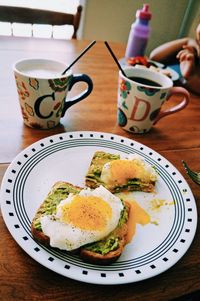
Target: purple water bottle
{"x": 139, "y": 34}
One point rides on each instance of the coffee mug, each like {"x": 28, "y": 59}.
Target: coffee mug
{"x": 42, "y": 91}
{"x": 141, "y": 94}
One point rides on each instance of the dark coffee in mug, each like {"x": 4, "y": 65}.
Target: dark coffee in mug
{"x": 144, "y": 81}
{"x": 141, "y": 98}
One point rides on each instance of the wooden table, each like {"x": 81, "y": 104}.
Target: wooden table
{"x": 174, "y": 137}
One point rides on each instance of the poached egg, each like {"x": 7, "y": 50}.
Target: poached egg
{"x": 82, "y": 218}
{"x": 132, "y": 166}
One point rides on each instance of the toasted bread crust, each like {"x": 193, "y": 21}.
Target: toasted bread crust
{"x": 91, "y": 184}
{"x": 40, "y": 236}
{"x": 86, "y": 255}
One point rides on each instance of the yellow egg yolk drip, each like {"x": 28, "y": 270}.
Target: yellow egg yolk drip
{"x": 122, "y": 170}
{"x": 137, "y": 215}
{"x": 87, "y": 213}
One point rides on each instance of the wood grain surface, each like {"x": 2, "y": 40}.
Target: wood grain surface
{"x": 176, "y": 137}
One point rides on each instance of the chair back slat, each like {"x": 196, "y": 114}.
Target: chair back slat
{"x": 37, "y": 16}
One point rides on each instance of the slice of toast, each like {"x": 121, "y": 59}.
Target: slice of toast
{"x": 59, "y": 192}
{"x": 93, "y": 178}
{"x": 105, "y": 251}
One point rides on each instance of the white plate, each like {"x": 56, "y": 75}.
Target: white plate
{"x": 66, "y": 157}
{"x": 174, "y": 75}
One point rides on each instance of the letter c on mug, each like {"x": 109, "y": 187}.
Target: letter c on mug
{"x": 38, "y": 103}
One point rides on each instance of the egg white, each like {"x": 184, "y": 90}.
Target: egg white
{"x": 66, "y": 236}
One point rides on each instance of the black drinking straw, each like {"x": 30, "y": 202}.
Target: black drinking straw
{"x": 115, "y": 59}
{"x": 80, "y": 55}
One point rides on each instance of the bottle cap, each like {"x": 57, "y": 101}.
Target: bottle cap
{"x": 144, "y": 13}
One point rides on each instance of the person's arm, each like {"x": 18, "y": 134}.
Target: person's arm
{"x": 165, "y": 52}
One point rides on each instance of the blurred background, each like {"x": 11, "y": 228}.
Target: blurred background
{"x": 111, "y": 19}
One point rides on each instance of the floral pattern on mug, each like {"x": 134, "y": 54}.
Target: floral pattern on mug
{"x": 33, "y": 82}
{"x": 125, "y": 88}
{"x": 29, "y": 109}
{"x": 135, "y": 129}
{"x": 148, "y": 91}
{"x": 59, "y": 84}
{"x": 154, "y": 114}
{"x": 57, "y": 105}
{"x": 60, "y": 108}
{"x": 163, "y": 95}
{"x": 22, "y": 90}
{"x": 121, "y": 118}
{"x": 24, "y": 114}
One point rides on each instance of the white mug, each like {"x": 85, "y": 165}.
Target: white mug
{"x": 141, "y": 95}
{"x": 42, "y": 91}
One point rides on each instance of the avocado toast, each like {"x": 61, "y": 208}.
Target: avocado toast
{"x": 104, "y": 251}
{"x": 117, "y": 174}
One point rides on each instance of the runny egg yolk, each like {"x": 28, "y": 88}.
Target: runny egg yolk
{"x": 137, "y": 215}
{"x": 121, "y": 170}
{"x": 87, "y": 213}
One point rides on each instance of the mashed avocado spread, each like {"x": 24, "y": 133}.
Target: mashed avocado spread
{"x": 98, "y": 161}
{"x": 56, "y": 195}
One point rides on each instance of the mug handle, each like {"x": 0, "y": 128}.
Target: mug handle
{"x": 179, "y": 107}
{"x": 75, "y": 79}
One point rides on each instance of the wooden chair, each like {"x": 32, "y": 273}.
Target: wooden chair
{"x": 37, "y": 16}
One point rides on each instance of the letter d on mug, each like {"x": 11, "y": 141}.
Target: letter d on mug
{"x": 42, "y": 91}
{"x": 140, "y": 98}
